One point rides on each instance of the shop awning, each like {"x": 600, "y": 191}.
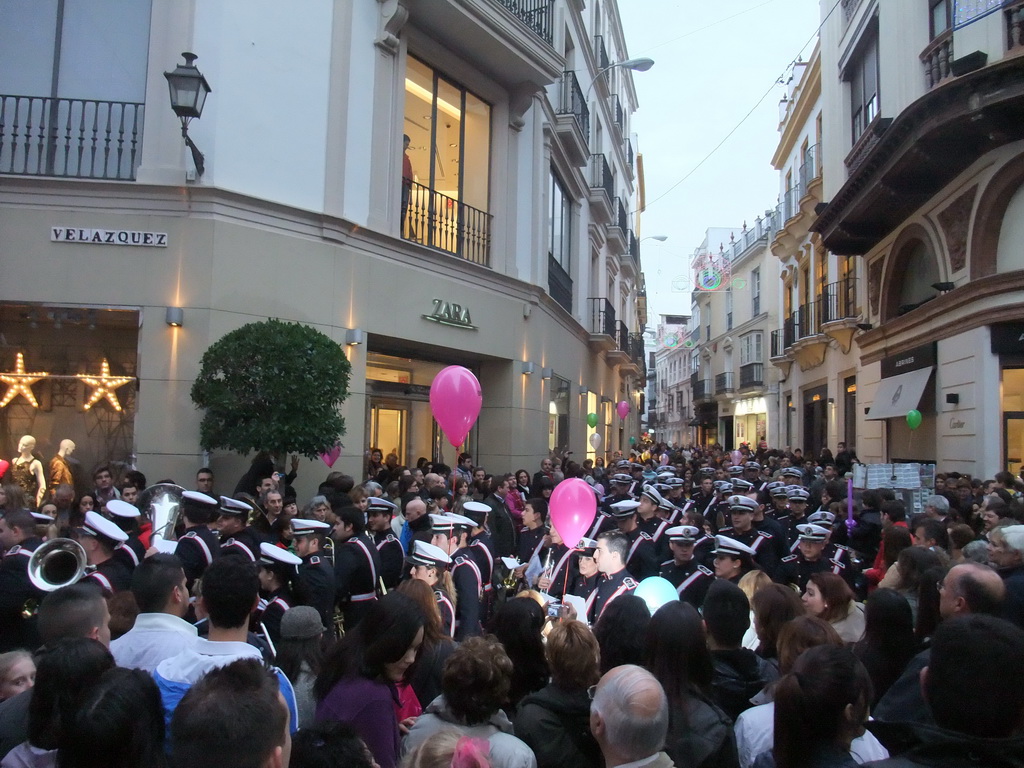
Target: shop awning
{"x": 898, "y": 394}
{"x": 694, "y": 423}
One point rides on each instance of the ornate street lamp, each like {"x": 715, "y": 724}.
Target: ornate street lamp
{"x": 189, "y": 90}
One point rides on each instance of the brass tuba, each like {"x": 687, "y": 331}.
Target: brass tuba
{"x": 56, "y": 563}
{"x": 258, "y": 517}
{"x": 162, "y": 503}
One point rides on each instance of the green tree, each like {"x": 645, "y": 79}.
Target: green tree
{"x": 272, "y": 386}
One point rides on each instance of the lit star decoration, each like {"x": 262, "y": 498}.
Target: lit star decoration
{"x": 20, "y": 383}
{"x": 104, "y": 386}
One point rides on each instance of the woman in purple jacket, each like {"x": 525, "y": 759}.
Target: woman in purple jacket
{"x": 357, "y": 684}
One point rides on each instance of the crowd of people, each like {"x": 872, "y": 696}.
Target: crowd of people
{"x": 433, "y": 617}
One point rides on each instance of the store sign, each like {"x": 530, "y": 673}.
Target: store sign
{"x": 911, "y": 360}
{"x": 108, "y": 237}
{"x": 448, "y": 313}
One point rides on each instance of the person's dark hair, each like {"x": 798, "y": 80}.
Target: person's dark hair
{"x": 540, "y": 506}
{"x": 291, "y": 653}
{"x": 352, "y": 516}
{"x": 573, "y": 655}
{"x": 329, "y": 745}
{"x": 616, "y": 542}
{"x": 120, "y": 724}
{"x": 517, "y": 625}
{"x": 65, "y": 672}
{"x": 676, "y": 652}
{"x": 935, "y": 530}
{"x": 726, "y": 613}
{"x": 912, "y": 564}
{"x": 230, "y": 589}
{"x": 22, "y": 520}
{"x": 889, "y": 641}
{"x": 960, "y": 535}
{"x": 773, "y": 606}
{"x": 72, "y": 611}
{"x": 382, "y": 637}
{"x": 101, "y": 469}
{"x": 928, "y": 616}
{"x": 620, "y": 632}
{"x": 802, "y": 633}
{"x": 476, "y": 680}
{"x": 895, "y": 539}
{"x": 811, "y": 701}
{"x": 423, "y": 594}
{"x": 870, "y": 499}
{"x": 232, "y": 717}
{"x": 154, "y": 579}
{"x": 896, "y": 510}
{"x": 835, "y": 592}
{"x": 972, "y": 654}
{"x": 836, "y": 490}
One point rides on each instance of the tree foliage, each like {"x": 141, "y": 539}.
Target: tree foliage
{"x": 272, "y": 386}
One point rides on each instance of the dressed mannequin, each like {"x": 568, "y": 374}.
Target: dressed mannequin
{"x": 27, "y": 471}
{"x": 60, "y": 468}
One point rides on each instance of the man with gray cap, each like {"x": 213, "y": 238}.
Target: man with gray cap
{"x": 629, "y": 718}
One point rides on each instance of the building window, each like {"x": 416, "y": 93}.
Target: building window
{"x": 941, "y": 17}
{"x": 728, "y": 310}
{"x": 755, "y": 292}
{"x": 750, "y": 348}
{"x": 560, "y": 231}
{"x": 862, "y": 74}
{"x": 446, "y": 182}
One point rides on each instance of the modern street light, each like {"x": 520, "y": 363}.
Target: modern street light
{"x": 189, "y": 90}
{"x": 659, "y": 238}
{"x": 637, "y": 65}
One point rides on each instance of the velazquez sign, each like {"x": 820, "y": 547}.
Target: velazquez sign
{"x": 108, "y": 237}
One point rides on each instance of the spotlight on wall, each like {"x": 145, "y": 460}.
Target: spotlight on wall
{"x": 546, "y": 373}
{"x": 831, "y": 401}
{"x": 953, "y": 398}
{"x": 355, "y": 336}
{"x": 584, "y": 390}
{"x": 175, "y": 317}
{"x": 865, "y": 326}
{"x": 943, "y": 287}
{"x": 528, "y": 368}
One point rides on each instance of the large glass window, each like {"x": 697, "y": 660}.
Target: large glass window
{"x": 750, "y": 348}
{"x": 755, "y": 292}
{"x": 446, "y": 168}
{"x": 863, "y": 78}
{"x": 560, "y": 232}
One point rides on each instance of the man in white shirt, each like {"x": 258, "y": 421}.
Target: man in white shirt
{"x": 229, "y": 596}
{"x": 160, "y": 630}
{"x": 629, "y": 719}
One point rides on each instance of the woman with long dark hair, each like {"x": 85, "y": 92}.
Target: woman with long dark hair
{"x": 829, "y": 597}
{"x": 300, "y": 655}
{"x": 357, "y": 683}
{"x": 820, "y": 707}
{"x": 425, "y": 675}
{"x": 889, "y": 641}
{"x": 620, "y": 632}
{"x": 676, "y": 652}
{"x": 517, "y": 625}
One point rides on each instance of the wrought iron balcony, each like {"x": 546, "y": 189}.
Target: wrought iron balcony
{"x": 617, "y": 115}
{"x": 811, "y": 167}
{"x": 571, "y": 102}
{"x": 602, "y": 316}
{"x": 438, "y": 221}
{"x": 601, "y": 52}
{"x": 538, "y": 15}
{"x": 778, "y": 343}
{"x": 702, "y": 390}
{"x": 629, "y": 154}
{"x": 634, "y": 249}
{"x": 74, "y": 138}
{"x": 724, "y": 382}
{"x": 752, "y": 374}
{"x": 839, "y": 301}
{"x": 559, "y": 284}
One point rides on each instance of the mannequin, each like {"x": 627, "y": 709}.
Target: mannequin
{"x": 60, "y": 468}
{"x": 28, "y": 472}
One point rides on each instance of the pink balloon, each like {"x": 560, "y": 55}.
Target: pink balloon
{"x": 573, "y": 507}
{"x": 455, "y": 400}
{"x": 622, "y": 409}
{"x": 331, "y": 456}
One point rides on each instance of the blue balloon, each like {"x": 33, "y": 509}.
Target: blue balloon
{"x": 656, "y": 591}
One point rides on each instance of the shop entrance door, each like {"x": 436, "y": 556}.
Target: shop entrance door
{"x": 1013, "y": 440}
{"x": 388, "y": 429}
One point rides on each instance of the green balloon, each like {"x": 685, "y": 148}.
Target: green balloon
{"x": 591, "y": 420}
{"x": 632, "y": 441}
{"x": 913, "y": 419}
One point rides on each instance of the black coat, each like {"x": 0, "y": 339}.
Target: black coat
{"x": 555, "y": 723}
{"x": 701, "y": 735}
{"x": 503, "y": 529}
{"x": 737, "y": 676}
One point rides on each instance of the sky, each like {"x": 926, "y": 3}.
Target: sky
{"x": 713, "y": 63}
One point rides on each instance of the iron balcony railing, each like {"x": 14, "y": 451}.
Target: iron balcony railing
{"x": 629, "y": 153}
{"x": 571, "y": 102}
{"x": 75, "y": 138}
{"x": 724, "y": 383}
{"x": 702, "y": 390}
{"x": 619, "y": 216}
{"x": 621, "y": 336}
{"x": 635, "y": 349}
{"x": 438, "y": 221}
{"x": 617, "y": 113}
{"x": 789, "y": 207}
{"x": 601, "y": 53}
{"x": 752, "y": 374}
{"x": 559, "y": 284}
{"x": 538, "y": 15}
{"x": 839, "y": 300}
{"x": 602, "y": 316}
{"x": 810, "y": 169}
{"x": 778, "y": 343}
{"x": 601, "y": 176}
{"x": 634, "y": 248}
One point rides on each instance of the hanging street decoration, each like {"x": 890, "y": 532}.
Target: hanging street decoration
{"x": 105, "y": 386}
{"x": 20, "y": 383}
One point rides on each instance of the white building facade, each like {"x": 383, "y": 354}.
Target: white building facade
{"x": 510, "y": 248}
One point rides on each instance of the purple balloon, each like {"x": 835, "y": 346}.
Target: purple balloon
{"x": 455, "y": 400}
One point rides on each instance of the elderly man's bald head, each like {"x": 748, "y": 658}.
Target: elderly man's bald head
{"x": 629, "y": 714}
{"x": 971, "y": 588}
{"x": 415, "y": 509}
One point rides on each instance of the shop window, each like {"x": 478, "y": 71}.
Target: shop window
{"x": 560, "y": 243}
{"x": 558, "y": 415}
{"x": 76, "y": 353}
{"x": 446, "y": 181}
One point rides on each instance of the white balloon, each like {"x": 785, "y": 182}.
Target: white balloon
{"x": 595, "y": 440}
